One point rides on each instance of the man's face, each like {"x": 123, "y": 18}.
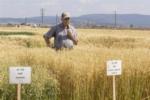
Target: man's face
{"x": 66, "y": 21}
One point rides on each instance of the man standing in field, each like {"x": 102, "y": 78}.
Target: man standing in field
{"x": 65, "y": 35}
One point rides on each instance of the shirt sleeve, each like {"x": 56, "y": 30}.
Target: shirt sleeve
{"x": 51, "y": 32}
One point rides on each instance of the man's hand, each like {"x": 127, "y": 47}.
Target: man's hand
{"x": 48, "y": 45}
{"x": 69, "y": 33}
{"x": 67, "y": 26}
{"x": 47, "y": 41}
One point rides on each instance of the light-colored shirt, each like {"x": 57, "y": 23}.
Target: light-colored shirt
{"x": 60, "y": 36}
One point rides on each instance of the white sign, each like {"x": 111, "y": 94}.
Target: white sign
{"x": 114, "y": 67}
{"x": 20, "y": 75}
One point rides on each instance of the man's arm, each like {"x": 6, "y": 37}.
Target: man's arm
{"x": 47, "y": 41}
{"x": 70, "y": 35}
{"x": 48, "y": 36}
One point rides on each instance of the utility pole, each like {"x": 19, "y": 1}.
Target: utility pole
{"x": 56, "y": 19}
{"x": 115, "y": 25}
{"x": 42, "y": 16}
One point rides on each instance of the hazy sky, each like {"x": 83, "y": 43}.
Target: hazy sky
{"x": 29, "y": 8}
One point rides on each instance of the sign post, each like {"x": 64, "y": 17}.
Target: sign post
{"x": 114, "y": 88}
{"x": 114, "y": 67}
{"x": 18, "y": 76}
{"x": 18, "y": 91}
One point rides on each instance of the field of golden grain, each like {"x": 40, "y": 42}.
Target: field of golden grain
{"x": 78, "y": 74}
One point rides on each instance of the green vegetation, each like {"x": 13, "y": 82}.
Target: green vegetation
{"x": 16, "y": 33}
{"x": 79, "y": 74}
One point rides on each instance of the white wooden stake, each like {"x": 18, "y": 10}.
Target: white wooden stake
{"x": 114, "y": 88}
{"x": 18, "y": 91}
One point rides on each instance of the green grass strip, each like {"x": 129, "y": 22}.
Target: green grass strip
{"x": 16, "y": 33}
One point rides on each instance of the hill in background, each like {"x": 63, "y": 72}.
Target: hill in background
{"x": 124, "y": 20}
